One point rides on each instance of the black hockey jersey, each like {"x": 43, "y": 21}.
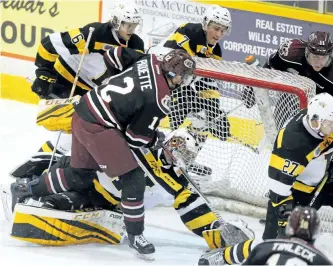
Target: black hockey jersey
{"x": 295, "y": 147}
{"x": 286, "y": 252}
{"x": 134, "y": 101}
{"x": 291, "y": 57}
{"x": 61, "y": 52}
{"x": 192, "y": 38}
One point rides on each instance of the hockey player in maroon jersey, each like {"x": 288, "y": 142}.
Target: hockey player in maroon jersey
{"x": 311, "y": 59}
{"x": 296, "y": 249}
{"x": 116, "y": 117}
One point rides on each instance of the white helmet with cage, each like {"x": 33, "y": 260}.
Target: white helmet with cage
{"x": 320, "y": 110}
{"x": 125, "y": 12}
{"x": 219, "y": 15}
{"x": 182, "y": 147}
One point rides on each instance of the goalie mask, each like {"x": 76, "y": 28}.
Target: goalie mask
{"x": 125, "y": 19}
{"x": 320, "y": 114}
{"x": 181, "y": 147}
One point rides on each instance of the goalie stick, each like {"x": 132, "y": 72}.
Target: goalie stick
{"x": 91, "y": 30}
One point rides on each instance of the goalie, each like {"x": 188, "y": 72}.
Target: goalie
{"x": 165, "y": 183}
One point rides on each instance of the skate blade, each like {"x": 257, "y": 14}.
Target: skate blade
{"x": 146, "y": 257}
{"x": 6, "y": 200}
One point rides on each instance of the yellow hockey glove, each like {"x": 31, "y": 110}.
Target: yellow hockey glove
{"x": 57, "y": 118}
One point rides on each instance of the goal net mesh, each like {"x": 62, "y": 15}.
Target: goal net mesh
{"x": 232, "y": 165}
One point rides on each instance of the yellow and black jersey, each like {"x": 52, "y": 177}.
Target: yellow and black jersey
{"x": 192, "y": 38}
{"x": 61, "y": 51}
{"x": 299, "y": 159}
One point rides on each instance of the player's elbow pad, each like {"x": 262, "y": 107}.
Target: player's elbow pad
{"x": 111, "y": 62}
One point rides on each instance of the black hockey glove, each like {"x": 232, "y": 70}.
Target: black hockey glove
{"x": 248, "y": 97}
{"x": 283, "y": 215}
{"x": 158, "y": 141}
{"x": 44, "y": 82}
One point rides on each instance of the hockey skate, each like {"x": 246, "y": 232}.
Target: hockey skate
{"x": 144, "y": 249}
{"x": 20, "y": 190}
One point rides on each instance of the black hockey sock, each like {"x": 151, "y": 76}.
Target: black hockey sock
{"x": 132, "y": 200}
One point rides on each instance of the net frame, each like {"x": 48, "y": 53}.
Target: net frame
{"x": 262, "y": 80}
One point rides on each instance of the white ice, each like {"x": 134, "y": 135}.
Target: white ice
{"x": 175, "y": 245}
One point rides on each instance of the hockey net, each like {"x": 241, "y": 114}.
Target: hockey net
{"x": 233, "y": 168}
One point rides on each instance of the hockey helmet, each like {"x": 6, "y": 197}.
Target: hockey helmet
{"x": 219, "y": 15}
{"x": 178, "y": 62}
{"x": 182, "y": 147}
{"x": 303, "y": 223}
{"x": 320, "y": 109}
{"x": 320, "y": 43}
{"x": 125, "y": 12}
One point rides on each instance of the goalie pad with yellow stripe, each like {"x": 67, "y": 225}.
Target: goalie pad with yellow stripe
{"x": 59, "y": 228}
{"x": 56, "y": 114}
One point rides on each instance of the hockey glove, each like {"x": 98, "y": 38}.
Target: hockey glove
{"x": 248, "y": 97}
{"x": 283, "y": 215}
{"x": 158, "y": 141}
{"x": 44, "y": 82}
{"x": 57, "y": 117}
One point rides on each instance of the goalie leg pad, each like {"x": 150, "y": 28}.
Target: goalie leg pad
{"x": 59, "y": 228}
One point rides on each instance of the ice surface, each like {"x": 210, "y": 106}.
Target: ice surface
{"x": 175, "y": 245}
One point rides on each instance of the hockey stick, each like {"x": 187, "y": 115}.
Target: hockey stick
{"x": 319, "y": 189}
{"x": 91, "y": 30}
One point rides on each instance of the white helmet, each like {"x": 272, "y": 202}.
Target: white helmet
{"x": 320, "y": 108}
{"x": 219, "y": 15}
{"x": 182, "y": 147}
{"x": 125, "y": 12}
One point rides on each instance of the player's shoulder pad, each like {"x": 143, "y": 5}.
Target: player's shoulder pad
{"x": 191, "y": 29}
{"x": 295, "y": 130}
{"x": 98, "y": 26}
{"x": 136, "y": 43}
{"x": 292, "y": 50}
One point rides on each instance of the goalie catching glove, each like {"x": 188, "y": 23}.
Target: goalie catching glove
{"x": 56, "y": 115}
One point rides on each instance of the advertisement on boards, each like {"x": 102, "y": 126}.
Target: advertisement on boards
{"x": 252, "y": 33}
{"x": 25, "y": 23}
